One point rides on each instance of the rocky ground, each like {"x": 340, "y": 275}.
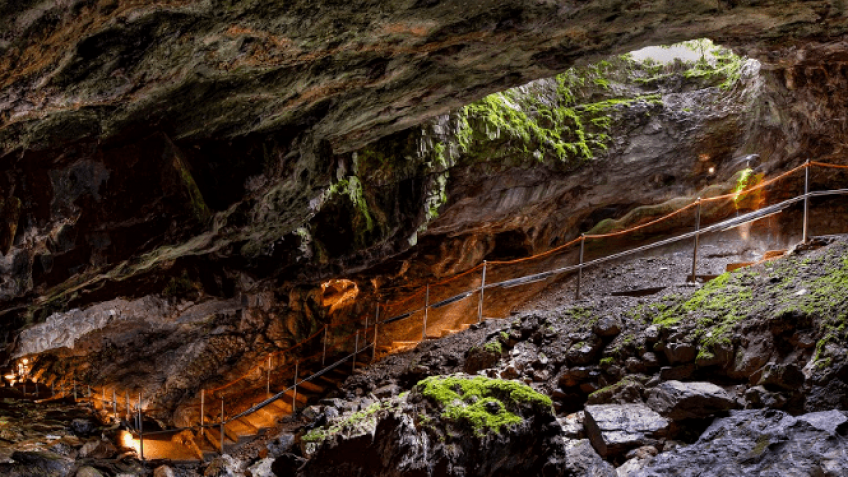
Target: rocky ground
{"x": 743, "y": 375}
{"x": 750, "y": 364}
{"x": 58, "y": 438}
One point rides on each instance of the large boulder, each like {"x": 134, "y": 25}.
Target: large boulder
{"x": 677, "y": 400}
{"x": 447, "y": 425}
{"x": 614, "y": 429}
{"x": 761, "y": 443}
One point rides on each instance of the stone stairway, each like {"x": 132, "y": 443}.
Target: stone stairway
{"x": 244, "y": 429}
{"x": 206, "y": 444}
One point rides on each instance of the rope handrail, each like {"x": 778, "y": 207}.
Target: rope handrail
{"x": 720, "y": 226}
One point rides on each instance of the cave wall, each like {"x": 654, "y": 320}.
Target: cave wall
{"x": 210, "y": 151}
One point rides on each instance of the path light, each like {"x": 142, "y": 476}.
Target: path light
{"x": 712, "y": 170}
{"x": 129, "y": 442}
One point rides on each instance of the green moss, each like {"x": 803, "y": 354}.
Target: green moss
{"x": 195, "y": 198}
{"x": 180, "y": 286}
{"x": 607, "y": 362}
{"x": 494, "y": 347}
{"x": 569, "y": 125}
{"x": 320, "y": 434}
{"x": 482, "y": 403}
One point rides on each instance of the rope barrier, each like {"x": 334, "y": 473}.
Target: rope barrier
{"x": 721, "y": 226}
{"x": 825, "y": 164}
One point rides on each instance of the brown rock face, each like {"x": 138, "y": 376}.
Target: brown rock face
{"x": 210, "y": 154}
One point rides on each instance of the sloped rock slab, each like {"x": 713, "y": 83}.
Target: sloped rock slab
{"x": 763, "y": 443}
{"x": 613, "y": 429}
{"x": 676, "y": 400}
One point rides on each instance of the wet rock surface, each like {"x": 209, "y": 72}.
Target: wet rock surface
{"x": 614, "y": 429}
{"x": 640, "y": 424}
{"x": 698, "y": 400}
{"x": 761, "y": 442}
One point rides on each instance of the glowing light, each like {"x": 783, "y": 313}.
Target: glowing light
{"x": 339, "y": 292}
{"x": 712, "y": 170}
{"x": 26, "y": 361}
{"x": 9, "y": 376}
{"x": 130, "y": 442}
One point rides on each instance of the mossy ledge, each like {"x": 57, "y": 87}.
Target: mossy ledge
{"x": 486, "y": 405}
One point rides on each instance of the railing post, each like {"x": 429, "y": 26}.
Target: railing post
{"x": 376, "y": 323}
{"x": 580, "y": 269}
{"x": 222, "y": 426}
{"x": 294, "y": 400}
{"x": 140, "y": 430}
{"x": 115, "y": 404}
{"x": 268, "y": 381}
{"x": 356, "y": 350}
{"x": 202, "y": 403}
{"x": 482, "y": 294}
{"x": 697, "y": 239}
{"x": 75, "y": 390}
{"x": 324, "y": 353}
{"x": 129, "y": 413}
{"x": 806, "y": 199}
{"x": 426, "y": 313}
{"x": 53, "y": 389}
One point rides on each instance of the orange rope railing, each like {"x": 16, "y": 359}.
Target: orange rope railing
{"x": 365, "y": 331}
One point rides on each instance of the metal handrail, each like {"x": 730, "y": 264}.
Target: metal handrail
{"x": 527, "y": 279}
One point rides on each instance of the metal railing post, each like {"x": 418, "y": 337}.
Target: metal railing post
{"x": 268, "y": 381}
{"x": 580, "y": 269}
{"x": 75, "y": 390}
{"x": 806, "y": 199}
{"x": 426, "y": 313}
{"x": 294, "y": 399}
{"x": 697, "y": 239}
{"x": 115, "y": 404}
{"x": 140, "y": 430}
{"x": 376, "y": 323}
{"x": 202, "y": 403}
{"x": 129, "y": 413}
{"x": 324, "y": 353}
{"x": 356, "y": 350}
{"x": 222, "y": 426}
{"x": 482, "y": 294}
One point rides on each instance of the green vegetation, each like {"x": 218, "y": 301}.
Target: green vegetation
{"x": 181, "y": 286}
{"x": 482, "y": 403}
{"x": 357, "y": 419}
{"x": 559, "y": 126}
{"x": 195, "y": 198}
{"x": 352, "y": 188}
{"x": 716, "y": 65}
{"x": 494, "y": 347}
